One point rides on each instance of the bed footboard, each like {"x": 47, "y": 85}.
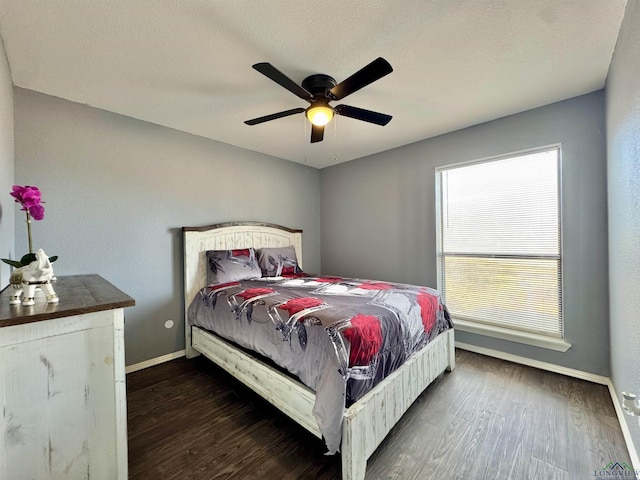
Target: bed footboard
{"x": 367, "y": 422}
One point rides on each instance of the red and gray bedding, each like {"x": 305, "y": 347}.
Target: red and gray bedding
{"x": 339, "y": 336}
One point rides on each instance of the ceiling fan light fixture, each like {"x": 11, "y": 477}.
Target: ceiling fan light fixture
{"x": 319, "y": 115}
{"x": 320, "y": 90}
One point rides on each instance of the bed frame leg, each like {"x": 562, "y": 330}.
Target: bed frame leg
{"x": 190, "y": 352}
{"x": 452, "y": 351}
{"x": 354, "y": 459}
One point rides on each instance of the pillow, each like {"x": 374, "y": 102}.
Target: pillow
{"x": 278, "y": 261}
{"x": 227, "y": 266}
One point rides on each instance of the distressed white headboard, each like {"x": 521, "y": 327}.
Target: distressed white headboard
{"x": 227, "y": 236}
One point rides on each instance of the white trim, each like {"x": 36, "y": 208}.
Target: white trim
{"x": 622, "y": 420}
{"x": 536, "y": 340}
{"x": 503, "y": 156}
{"x": 154, "y": 361}
{"x": 550, "y": 367}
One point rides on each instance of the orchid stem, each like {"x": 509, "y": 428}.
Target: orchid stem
{"x": 29, "y": 231}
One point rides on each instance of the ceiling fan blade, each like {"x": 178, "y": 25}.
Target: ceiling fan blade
{"x": 274, "y": 116}
{"x": 317, "y": 133}
{"x": 362, "y": 114}
{"x": 281, "y": 79}
{"x": 363, "y": 77}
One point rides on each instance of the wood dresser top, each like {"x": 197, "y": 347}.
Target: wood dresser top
{"x": 78, "y": 294}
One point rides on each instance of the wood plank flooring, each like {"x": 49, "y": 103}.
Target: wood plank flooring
{"x": 488, "y": 419}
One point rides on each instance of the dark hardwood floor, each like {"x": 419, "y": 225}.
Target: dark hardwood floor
{"x": 488, "y": 419}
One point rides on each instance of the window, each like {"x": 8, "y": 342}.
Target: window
{"x": 499, "y": 246}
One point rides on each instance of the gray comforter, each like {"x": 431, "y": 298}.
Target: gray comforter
{"x": 339, "y": 336}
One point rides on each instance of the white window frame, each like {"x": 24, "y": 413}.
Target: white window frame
{"x": 538, "y": 340}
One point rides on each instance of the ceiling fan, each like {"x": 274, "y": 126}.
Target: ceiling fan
{"x": 320, "y": 89}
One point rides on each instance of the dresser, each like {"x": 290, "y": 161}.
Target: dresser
{"x": 62, "y": 384}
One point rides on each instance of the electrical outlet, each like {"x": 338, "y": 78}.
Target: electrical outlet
{"x": 630, "y": 405}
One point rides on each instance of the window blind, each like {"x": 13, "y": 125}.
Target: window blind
{"x": 500, "y": 243}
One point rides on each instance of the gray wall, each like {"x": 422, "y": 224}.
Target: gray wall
{"x": 7, "y": 206}
{"x": 623, "y": 144}
{"x": 378, "y": 216}
{"x": 118, "y": 190}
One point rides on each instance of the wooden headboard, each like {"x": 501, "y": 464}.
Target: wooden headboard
{"x": 227, "y": 236}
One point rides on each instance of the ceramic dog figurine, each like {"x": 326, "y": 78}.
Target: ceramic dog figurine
{"x": 25, "y": 280}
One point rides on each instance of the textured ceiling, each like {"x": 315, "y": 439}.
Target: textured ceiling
{"x": 187, "y": 64}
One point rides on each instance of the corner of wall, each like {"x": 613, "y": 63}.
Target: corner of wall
{"x": 7, "y": 160}
{"x": 623, "y": 179}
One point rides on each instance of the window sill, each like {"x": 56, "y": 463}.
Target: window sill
{"x": 542, "y": 341}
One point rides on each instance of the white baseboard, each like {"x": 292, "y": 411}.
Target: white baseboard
{"x": 550, "y": 367}
{"x": 154, "y": 361}
{"x": 622, "y": 419}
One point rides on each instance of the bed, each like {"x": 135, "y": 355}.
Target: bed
{"x": 365, "y": 422}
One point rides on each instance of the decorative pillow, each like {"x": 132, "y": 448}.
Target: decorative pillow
{"x": 232, "y": 265}
{"x": 278, "y": 261}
